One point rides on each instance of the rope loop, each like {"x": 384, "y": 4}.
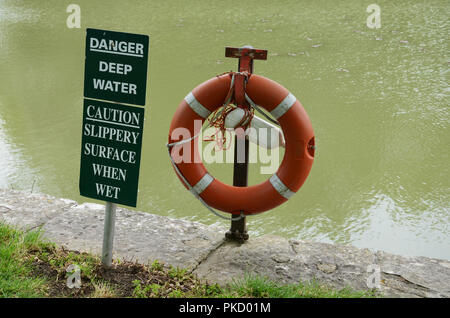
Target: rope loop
{"x": 192, "y": 190}
{"x": 217, "y": 121}
{"x": 218, "y": 117}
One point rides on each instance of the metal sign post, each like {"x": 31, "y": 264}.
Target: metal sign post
{"x": 115, "y": 72}
{"x": 246, "y": 55}
{"x": 108, "y": 233}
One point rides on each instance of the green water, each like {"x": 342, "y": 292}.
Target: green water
{"x": 378, "y": 100}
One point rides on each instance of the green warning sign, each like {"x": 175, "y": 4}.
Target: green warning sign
{"x": 116, "y": 72}
{"x": 116, "y": 66}
{"x": 111, "y": 151}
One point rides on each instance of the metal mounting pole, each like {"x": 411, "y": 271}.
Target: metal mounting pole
{"x": 238, "y": 230}
{"x": 108, "y": 233}
{"x": 246, "y": 55}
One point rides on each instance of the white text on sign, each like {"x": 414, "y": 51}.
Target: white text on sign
{"x": 107, "y": 190}
{"x": 117, "y": 47}
{"x": 115, "y": 68}
{"x": 115, "y": 86}
{"x": 109, "y": 172}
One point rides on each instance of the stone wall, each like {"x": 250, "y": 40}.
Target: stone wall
{"x": 145, "y": 237}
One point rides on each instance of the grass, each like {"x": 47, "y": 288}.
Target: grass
{"x": 31, "y": 267}
{"x": 256, "y": 286}
{"x": 16, "y": 279}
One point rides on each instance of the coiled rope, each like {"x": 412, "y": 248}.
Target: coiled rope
{"x": 218, "y": 121}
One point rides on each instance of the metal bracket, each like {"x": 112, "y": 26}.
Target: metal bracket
{"x": 246, "y": 55}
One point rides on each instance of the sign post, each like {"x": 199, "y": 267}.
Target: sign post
{"x": 246, "y": 55}
{"x": 115, "y": 81}
{"x": 108, "y": 233}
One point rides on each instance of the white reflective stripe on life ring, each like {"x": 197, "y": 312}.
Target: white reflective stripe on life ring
{"x": 202, "y": 184}
{"x": 284, "y": 106}
{"x": 280, "y": 187}
{"x": 201, "y": 110}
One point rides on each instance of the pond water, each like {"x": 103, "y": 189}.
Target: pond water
{"x": 378, "y": 100}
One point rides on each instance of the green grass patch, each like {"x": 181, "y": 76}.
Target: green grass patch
{"x": 257, "y": 286}
{"x": 30, "y": 267}
{"x": 16, "y": 279}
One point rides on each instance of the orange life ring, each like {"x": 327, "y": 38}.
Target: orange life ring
{"x": 294, "y": 168}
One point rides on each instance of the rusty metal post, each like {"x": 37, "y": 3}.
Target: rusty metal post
{"x": 238, "y": 230}
{"x": 246, "y": 55}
